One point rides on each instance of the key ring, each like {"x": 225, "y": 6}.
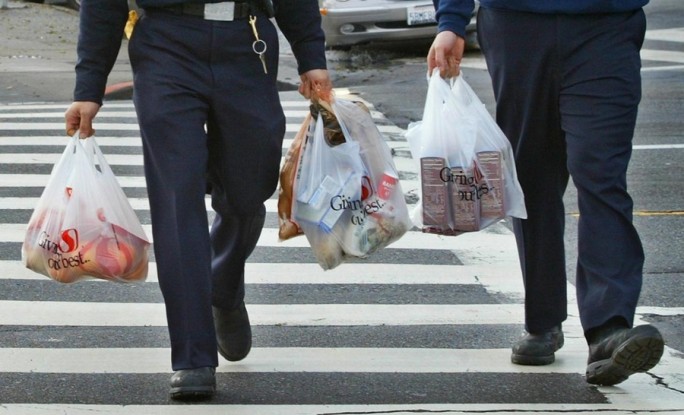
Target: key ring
{"x": 255, "y": 46}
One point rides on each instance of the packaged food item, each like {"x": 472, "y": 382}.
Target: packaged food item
{"x": 492, "y": 198}
{"x": 348, "y": 199}
{"x": 465, "y": 200}
{"x": 435, "y": 191}
{"x": 467, "y": 170}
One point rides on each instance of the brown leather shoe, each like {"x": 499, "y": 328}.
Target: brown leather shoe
{"x": 623, "y": 352}
{"x": 536, "y": 349}
{"x": 193, "y": 384}
{"x": 233, "y": 332}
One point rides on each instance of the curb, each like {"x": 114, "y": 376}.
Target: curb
{"x": 119, "y": 91}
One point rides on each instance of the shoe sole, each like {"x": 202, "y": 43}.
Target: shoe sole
{"x": 527, "y": 360}
{"x": 637, "y": 354}
{"x": 520, "y": 359}
{"x": 192, "y": 393}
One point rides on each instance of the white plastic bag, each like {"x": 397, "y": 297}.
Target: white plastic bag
{"x": 83, "y": 225}
{"x": 349, "y": 200}
{"x": 466, "y": 163}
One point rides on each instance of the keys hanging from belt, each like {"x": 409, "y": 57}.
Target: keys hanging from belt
{"x": 258, "y": 46}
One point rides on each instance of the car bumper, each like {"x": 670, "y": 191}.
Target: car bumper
{"x": 347, "y": 26}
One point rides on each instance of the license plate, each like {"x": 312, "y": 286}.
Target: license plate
{"x": 417, "y": 15}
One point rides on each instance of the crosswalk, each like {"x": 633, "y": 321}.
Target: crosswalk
{"x": 424, "y": 326}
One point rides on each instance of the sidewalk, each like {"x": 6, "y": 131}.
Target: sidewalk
{"x": 39, "y": 55}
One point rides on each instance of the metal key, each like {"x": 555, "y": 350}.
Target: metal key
{"x": 258, "y": 46}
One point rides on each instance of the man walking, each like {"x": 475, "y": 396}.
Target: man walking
{"x": 566, "y": 78}
{"x": 209, "y": 111}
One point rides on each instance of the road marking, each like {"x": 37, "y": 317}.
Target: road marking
{"x": 127, "y": 104}
{"x": 31, "y": 126}
{"x": 493, "y": 275}
{"x": 62, "y": 313}
{"x": 662, "y": 68}
{"x": 52, "y": 158}
{"x": 572, "y": 359}
{"x": 494, "y": 244}
{"x": 111, "y": 114}
{"x": 58, "y": 313}
{"x": 292, "y": 360}
{"x": 652, "y": 400}
{"x": 105, "y": 141}
{"x": 62, "y": 140}
{"x": 645, "y": 213}
{"x": 657, "y": 146}
{"x": 137, "y": 159}
{"x": 60, "y": 115}
{"x": 40, "y": 180}
{"x": 99, "y": 126}
{"x": 647, "y": 392}
{"x": 662, "y": 55}
{"x": 670, "y": 35}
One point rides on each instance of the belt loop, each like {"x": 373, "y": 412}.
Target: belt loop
{"x": 243, "y": 9}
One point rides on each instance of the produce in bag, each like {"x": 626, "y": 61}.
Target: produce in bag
{"x": 83, "y": 226}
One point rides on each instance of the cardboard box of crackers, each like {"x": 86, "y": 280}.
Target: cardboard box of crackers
{"x": 457, "y": 199}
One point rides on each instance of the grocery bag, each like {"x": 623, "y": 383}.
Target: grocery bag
{"x": 348, "y": 198}
{"x": 466, "y": 164}
{"x": 83, "y": 225}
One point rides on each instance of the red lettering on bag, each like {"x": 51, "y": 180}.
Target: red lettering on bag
{"x": 69, "y": 241}
{"x": 366, "y": 188}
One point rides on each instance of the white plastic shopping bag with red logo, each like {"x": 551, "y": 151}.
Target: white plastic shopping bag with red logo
{"x": 83, "y": 226}
{"x": 348, "y": 199}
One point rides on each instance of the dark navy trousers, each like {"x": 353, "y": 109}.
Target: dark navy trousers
{"x": 567, "y": 88}
{"x": 207, "y": 112}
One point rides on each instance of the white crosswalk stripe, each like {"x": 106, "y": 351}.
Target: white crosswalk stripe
{"x": 56, "y": 336}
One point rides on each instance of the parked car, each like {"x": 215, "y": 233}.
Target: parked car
{"x": 351, "y": 22}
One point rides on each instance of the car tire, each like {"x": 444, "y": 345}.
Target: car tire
{"x": 342, "y": 48}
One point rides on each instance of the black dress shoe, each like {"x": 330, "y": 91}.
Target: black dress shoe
{"x": 233, "y": 333}
{"x": 623, "y": 352}
{"x": 193, "y": 384}
{"x": 536, "y": 349}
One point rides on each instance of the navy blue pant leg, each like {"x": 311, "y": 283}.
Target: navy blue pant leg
{"x": 195, "y": 88}
{"x": 244, "y": 169}
{"x": 526, "y": 91}
{"x": 567, "y": 94}
{"x": 599, "y": 109}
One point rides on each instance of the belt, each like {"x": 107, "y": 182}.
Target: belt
{"x": 224, "y": 11}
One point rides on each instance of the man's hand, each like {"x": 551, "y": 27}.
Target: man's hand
{"x": 446, "y": 54}
{"x": 316, "y": 84}
{"x": 79, "y": 117}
